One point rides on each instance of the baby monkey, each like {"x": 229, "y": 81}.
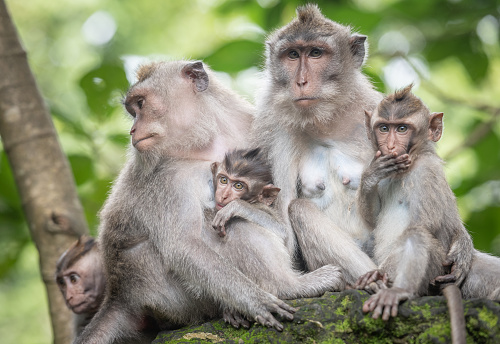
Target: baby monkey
{"x": 244, "y": 188}
{"x": 405, "y": 198}
{"x": 252, "y": 236}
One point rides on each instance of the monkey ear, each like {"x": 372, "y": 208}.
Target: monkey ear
{"x": 214, "y": 167}
{"x": 436, "y": 126}
{"x": 368, "y": 126}
{"x": 357, "y": 43}
{"x": 197, "y": 74}
{"x": 268, "y": 194}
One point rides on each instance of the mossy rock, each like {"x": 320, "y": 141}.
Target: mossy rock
{"x": 338, "y": 318}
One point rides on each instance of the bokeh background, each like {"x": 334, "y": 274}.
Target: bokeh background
{"x": 84, "y": 53}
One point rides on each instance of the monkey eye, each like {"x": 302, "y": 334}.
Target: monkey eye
{"x": 383, "y": 128}
{"x": 60, "y": 281}
{"x": 239, "y": 185}
{"x": 140, "y": 103}
{"x": 402, "y": 129}
{"x": 74, "y": 278}
{"x": 222, "y": 180}
{"x": 316, "y": 52}
{"x": 293, "y": 54}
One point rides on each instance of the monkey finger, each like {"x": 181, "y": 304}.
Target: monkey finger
{"x": 387, "y": 312}
{"x": 377, "y": 311}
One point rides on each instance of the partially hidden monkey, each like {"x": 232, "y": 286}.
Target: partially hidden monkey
{"x": 311, "y": 115}
{"x": 256, "y": 235}
{"x": 80, "y": 278}
{"x": 155, "y": 229}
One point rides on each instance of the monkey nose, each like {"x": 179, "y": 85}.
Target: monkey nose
{"x": 132, "y": 131}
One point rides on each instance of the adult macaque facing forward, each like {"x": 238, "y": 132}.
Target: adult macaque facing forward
{"x": 405, "y": 198}
{"x": 311, "y": 115}
{"x": 256, "y": 234}
{"x": 80, "y": 278}
{"x": 157, "y": 220}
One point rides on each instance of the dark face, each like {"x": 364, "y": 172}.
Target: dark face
{"x": 229, "y": 188}
{"x": 82, "y": 285}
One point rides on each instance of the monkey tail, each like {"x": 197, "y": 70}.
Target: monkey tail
{"x": 456, "y": 310}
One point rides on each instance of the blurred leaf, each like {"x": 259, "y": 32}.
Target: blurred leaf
{"x": 476, "y": 64}
{"x": 488, "y": 222}
{"x": 82, "y": 167}
{"x": 235, "y": 56}
{"x": 99, "y": 85}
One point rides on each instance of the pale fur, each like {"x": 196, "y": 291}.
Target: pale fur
{"x": 328, "y": 135}
{"x": 156, "y": 220}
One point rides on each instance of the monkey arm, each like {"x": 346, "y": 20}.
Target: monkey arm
{"x": 257, "y": 213}
{"x": 204, "y": 270}
{"x": 368, "y": 200}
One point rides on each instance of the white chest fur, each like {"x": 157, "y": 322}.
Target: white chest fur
{"x": 329, "y": 178}
{"x": 393, "y": 218}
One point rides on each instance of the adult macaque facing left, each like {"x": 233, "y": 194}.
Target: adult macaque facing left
{"x": 80, "y": 278}
{"x": 405, "y": 199}
{"x": 155, "y": 231}
{"x": 255, "y": 241}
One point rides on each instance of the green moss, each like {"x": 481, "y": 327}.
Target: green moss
{"x": 438, "y": 331}
{"x": 488, "y": 317}
{"x": 425, "y": 310}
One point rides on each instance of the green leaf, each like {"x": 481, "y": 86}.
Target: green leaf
{"x": 100, "y": 85}
{"x": 236, "y": 56}
{"x": 82, "y": 167}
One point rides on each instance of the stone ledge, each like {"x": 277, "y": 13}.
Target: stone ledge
{"x": 337, "y": 318}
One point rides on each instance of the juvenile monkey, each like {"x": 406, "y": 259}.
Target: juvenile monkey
{"x": 155, "y": 231}
{"x": 80, "y": 278}
{"x": 405, "y": 199}
{"x": 311, "y": 114}
{"x": 255, "y": 239}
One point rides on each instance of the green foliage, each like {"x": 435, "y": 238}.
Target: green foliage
{"x": 450, "y": 46}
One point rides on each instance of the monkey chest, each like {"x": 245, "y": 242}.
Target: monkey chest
{"x": 327, "y": 175}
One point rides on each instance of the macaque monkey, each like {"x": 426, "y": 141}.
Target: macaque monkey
{"x": 405, "y": 199}
{"x": 80, "y": 278}
{"x": 311, "y": 115}
{"x": 156, "y": 225}
{"x": 255, "y": 238}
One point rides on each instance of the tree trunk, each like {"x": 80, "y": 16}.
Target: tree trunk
{"x": 41, "y": 170}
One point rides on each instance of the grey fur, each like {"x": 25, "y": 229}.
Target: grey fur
{"x": 328, "y": 135}
{"x": 156, "y": 220}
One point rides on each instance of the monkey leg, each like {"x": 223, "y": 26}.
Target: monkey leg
{"x": 112, "y": 323}
{"x": 323, "y": 242}
{"x": 483, "y": 279}
{"x": 412, "y": 261}
{"x": 311, "y": 284}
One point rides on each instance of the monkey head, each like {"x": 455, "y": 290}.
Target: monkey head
{"x": 243, "y": 174}
{"x": 402, "y": 124}
{"x": 166, "y": 105}
{"x": 313, "y": 61}
{"x": 80, "y": 276}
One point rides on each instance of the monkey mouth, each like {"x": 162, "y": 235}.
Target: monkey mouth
{"x": 134, "y": 143}
{"x": 218, "y": 206}
{"x": 306, "y": 101}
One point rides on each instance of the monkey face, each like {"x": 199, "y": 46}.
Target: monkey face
{"x": 82, "y": 285}
{"x": 393, "y": 137}
{"x": 229, "y": 188}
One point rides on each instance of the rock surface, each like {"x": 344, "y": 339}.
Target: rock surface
{"x": 337, "y": 318}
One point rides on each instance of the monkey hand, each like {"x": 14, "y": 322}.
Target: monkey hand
{"x": 273, "y": 305}
{"x": 373, "y": 281}
{"x": 386, "y": 166}
{"x": 235, "y": 319}
{"x": 223, "y": 216}
{"x": 385, "y": 302}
